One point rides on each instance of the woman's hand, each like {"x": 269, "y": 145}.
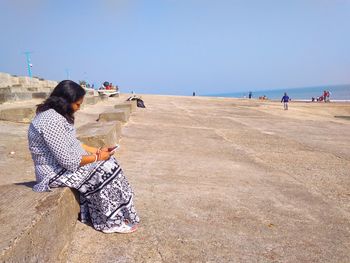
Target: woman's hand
{"x": 103, "y": 155}
{"x": 100, "y": 156}
{"x": 104, "y": 149}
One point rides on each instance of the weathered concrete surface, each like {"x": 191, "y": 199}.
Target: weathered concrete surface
{"x": 40, "y": 95}
{"x": 224, "y": 180}
{"x": 7, "y": 80}
{"x": 44, "y": 230}
{"x": 35, "y": 227}
{"x": 100, "y": 134}
{"x": 91, "y": 100}
{"x": 115, "y": 115}
{"x": 19, "y": 114}
{"x": 13, "y": 88}
{"x": 131, "y": 105}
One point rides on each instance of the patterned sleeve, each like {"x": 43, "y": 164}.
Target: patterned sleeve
{"x": 60, "y": 139}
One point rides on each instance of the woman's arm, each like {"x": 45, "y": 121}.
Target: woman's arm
{"x": 101, "y": 156}
{"x": 89, "y": 149}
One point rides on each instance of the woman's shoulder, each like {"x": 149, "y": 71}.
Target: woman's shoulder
{"x": 47, "y": 117}
{"x": 51, "y": 115}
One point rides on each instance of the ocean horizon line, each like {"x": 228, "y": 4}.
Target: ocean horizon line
{"x": 338, "y": 92}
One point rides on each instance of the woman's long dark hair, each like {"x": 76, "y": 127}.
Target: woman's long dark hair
{"x": 61, "y": 98}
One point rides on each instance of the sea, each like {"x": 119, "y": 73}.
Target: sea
{"x": 338, "y": 93}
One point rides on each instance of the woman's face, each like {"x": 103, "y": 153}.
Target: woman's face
{"x": 76, "y": 105}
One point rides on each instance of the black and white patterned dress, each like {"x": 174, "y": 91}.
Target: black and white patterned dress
{"x": 106, "y": 198}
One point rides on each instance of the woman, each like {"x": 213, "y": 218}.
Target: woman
{"x": 60, "y": 159}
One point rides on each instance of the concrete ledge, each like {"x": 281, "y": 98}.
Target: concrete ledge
{"x": 115, "y": 115}
{"x": 17, "y": 96}
{"x": 2, "y": 98}
{"x": 39, "y": 226}
{"x": 23, "y": 114}
{"x": 131, "y": 105}
{"x": 40, "y": 95}
{"x": 100, "y": 134}
{"x": 91, "y": 100}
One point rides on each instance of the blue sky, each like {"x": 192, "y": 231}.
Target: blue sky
{"x": 176, "y": 47}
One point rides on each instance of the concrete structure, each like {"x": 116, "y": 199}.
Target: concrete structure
{"x": 91, "y": 100}
{"x": 39, "y": 226}
{"x": 100, "y": 134}
{"x": 19, "y": 114}
{"x": 115, "y": 115}
{"x": 131, "y": 105}
{"x": 23, "y": 88}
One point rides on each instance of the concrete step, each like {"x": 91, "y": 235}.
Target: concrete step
{"x": 36, "y": 227}
{"x": 100, "y": 134}
{"x": 19, "y": 114}
{"x": 91, "y": 100}
{"x": 16, "y": 96}
{"x": 131, "y": 105}
{"x": 122, "y": 115}
{"x": 40, "y": 95}
{"x": 19, "y": 96}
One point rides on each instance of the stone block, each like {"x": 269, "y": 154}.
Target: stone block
{"x": 50, "y": 83}
{"x": 91, "y": 100}
{"x": 17, "y": 96}
{"x": 5, "y": 90}
{"x": 115, "y": 115}
{"x": 24, "y": 80}
{"x": 18, "y": 89}
{"x": 5, "y": 80}
{"x": 23, "y": 114}
{"x": 99, "y": 134}
{"x": 39, "y": 226}
{"x": 28, "y": 82}
{"x": 131, "y": 105}
{"x": 32, "y": 89}
{"x": 45, "y": 89}
{"x": 2, "y": 98}
{"x": 14, "y": 81}
{"x": 40, "y": 95}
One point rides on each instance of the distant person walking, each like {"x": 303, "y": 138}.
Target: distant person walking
{"x": 328, "y": 95}
{"x": 194, "y": 93}
{"x": 325, "y": 96}
{"x": 250, "y": 95}
{"x": 285, "y": 99}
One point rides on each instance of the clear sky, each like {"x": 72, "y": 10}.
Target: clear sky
{"x": 180, "y": 46}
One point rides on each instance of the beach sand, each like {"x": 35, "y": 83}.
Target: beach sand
{"x": 229, "y": 180}
{"x": 223, "y": 180}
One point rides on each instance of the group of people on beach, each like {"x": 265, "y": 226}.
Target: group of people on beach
{"x": 108, "y": 86}
{"x": 285, "y": 99}
{"x": 325, "y": 97}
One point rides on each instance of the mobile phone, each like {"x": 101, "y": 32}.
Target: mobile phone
{"x": 113, "y": 149}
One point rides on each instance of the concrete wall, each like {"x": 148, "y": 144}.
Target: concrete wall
{"x": 23, "y": 88}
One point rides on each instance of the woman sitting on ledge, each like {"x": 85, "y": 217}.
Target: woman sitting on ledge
{"x": 60, "y": 160}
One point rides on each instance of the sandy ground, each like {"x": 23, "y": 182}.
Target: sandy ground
{"x": 225, "y": 180}
{"x": 221, "y": 180}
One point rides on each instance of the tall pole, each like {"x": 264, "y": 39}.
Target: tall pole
{"x": 29, "y": 65}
